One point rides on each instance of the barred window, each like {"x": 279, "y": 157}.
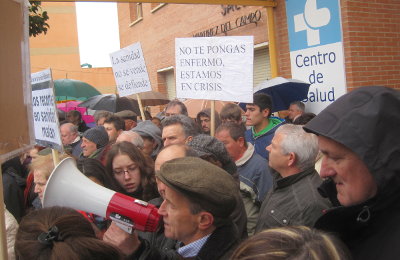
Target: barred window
{"x": 136, "y": 13}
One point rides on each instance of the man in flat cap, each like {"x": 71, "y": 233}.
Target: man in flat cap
{"x": 195, "y": 211}
{"x": 129, "y": 117}
{"x": 359, "y": 137}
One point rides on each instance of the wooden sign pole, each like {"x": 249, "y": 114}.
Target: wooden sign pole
{"x": 139, "y": 100}
{"x": 212, "y": 130}
{"x": 3, "y": 240}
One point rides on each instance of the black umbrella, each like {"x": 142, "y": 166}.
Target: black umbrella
{"x": 282, "y": 91}
{"x": 112, "y": 103}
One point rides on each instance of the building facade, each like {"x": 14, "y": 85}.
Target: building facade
{"x": 59, "y": 50}
{"x": 157, "y": 25}
{"x": 370, "y": 35}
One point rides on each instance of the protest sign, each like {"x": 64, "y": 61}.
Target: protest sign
{"x": 215, "y": 68}
{"x": 130, "y": 71}
{"x": 45, "y": 119}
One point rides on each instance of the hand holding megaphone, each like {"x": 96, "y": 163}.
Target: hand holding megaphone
{"x": 68, "y": 187}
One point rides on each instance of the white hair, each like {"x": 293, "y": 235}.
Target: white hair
{"x": 73, "y": 129}
{"x": 303, "y": 145}
{"x": 131, "y": 137}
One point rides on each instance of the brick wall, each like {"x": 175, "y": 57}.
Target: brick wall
{"x": 371, "y": 33}
{"x": 282, "y": 40}
{"x": 158, "y": 30}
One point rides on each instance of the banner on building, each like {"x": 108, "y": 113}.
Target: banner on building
{"x": 316, "y": 49}
{"x": 215, "y": 68}
{"x": 130, "y": 70}
{"x": 45, "y": 118}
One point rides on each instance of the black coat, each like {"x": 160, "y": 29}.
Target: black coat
{"x": 219, "y": 246}
{"x": 370, "y": 230}
{"x": 367, "y": 121}
{"x": 13, "y": 176}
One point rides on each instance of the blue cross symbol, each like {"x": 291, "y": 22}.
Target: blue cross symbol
{"x": 311, "y": 20}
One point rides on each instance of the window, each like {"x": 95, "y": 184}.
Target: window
{"x": 262, "y": 67}
{"x": 166, "y": 82}
{"x": 136, "y": 14}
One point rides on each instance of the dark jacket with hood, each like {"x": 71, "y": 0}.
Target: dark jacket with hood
{"x": 149, "y": 129}
{"x": 13, "y": 176}
{"x": 367, "y": 121}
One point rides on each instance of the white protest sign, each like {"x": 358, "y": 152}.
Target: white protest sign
{"x": 130, "y": 71}
{"x": 215, "y": 68}
{"x": 316, "y": 50}
{"x": 45, "y": 119}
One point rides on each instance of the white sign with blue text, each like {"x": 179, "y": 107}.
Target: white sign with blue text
{"x": 215, "y": 68}
{"x": 316, "y": 49}
{"x": 130, "y": 71}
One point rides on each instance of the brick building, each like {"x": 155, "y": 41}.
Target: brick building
{"x": 156, "y": 26}
{"x": 370, "y": 35}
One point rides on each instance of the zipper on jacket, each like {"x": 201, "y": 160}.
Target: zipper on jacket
{"x": 364, "y": 215}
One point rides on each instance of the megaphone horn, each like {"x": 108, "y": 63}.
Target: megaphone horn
{"x": 68, "y": 187}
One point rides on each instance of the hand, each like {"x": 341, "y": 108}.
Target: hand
{"x": 127, "y": 243}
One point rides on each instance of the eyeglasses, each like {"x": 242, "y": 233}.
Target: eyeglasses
{"x": 130, "y": 169}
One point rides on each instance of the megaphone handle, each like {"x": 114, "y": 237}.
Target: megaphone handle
{"x": 122, "y": 222}
{"x": 124, "y": 227}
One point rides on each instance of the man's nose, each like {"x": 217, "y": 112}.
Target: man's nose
{"x": 326, "y": 170}
{"x": 166, "y": 143}
{"x": 161, "y": 209}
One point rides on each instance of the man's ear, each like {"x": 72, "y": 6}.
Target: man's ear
{"x": 206, "y": 220}
{"x": 188, "y": 139}
{"x": 266, "y": 112}
{"x": 292, "y": 159}
{"x": 241, "y": 141}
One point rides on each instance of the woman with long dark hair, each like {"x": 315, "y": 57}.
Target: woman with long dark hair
{"x": 132, "y": 170}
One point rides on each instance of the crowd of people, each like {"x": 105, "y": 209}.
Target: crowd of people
{"x": 307, "y": 186}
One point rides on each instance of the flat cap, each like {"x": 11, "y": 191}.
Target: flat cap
{"x": 207, "y": 145}
{"x": 201, "y": 182}
{"x": 204, "y": 144}
{"x": 125, "y": 114}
